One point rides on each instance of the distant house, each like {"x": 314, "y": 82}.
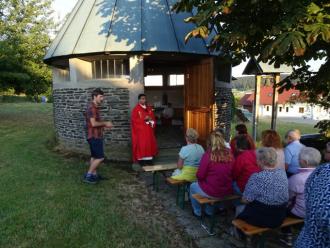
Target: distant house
{"x": 288, "y": 105}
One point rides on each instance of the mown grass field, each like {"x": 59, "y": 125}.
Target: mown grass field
{"x": 43, "y": 202}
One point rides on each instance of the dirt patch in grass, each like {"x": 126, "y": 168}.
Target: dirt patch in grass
{"x": 144, "y": 207}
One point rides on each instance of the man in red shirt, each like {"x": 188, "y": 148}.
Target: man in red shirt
{"x": 144, "y": 145}
{"x": 95, "y": 128}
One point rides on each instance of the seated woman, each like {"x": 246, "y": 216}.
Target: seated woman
{"x": 266, "y": 192}
{"x": 245, "y": 163}
{"x": 214, "y": 173}
{"x": 309, "y": 159}
{"x": 189, "y": 158}
{"x": 270, "y": 138}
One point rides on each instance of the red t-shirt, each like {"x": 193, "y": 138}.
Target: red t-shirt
{"x": 93, "y": 112}
{"x": 245, "y": 165}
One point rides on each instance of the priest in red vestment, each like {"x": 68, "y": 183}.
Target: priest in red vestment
{"x": 143, "y": 123}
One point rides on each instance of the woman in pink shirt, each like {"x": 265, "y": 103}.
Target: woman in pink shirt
{"x": 214, "y": 174}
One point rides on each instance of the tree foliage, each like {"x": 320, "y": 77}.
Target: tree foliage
{"x": 290, "y": 32}
{"x": 24, "y": 36}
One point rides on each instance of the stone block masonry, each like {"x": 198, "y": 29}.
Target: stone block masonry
{"x": 223, "y": 111}
{"x": 69, "y": 117}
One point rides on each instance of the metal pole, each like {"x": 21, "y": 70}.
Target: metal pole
{"x": 256, "y": 107}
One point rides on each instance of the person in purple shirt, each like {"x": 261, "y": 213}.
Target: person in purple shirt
{"x": 309, "y": 159}
{"x": 291, "y": 152}
{"x": 214, "y": 175}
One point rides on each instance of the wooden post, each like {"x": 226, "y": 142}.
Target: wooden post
{"x": 256, "y": 107}
{"x": 275, "y": 101}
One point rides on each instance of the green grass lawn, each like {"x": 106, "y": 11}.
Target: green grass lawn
{"x": 43, "y": 202}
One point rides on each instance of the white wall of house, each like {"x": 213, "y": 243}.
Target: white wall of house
{"x": 303, "y": 110}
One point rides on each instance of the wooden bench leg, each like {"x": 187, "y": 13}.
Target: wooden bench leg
{"x": 213, "y": 222}
{"x": 290, "y": 239}
{"x": 180, "y": 194}
{"x": 261, "y": 241}
{"x": 155, "y": 179}
{"x": 248, "y": 242}
{"x": 209, "y": 230}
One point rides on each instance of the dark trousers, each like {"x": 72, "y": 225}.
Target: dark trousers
{"x": 146, "y": 162}
{"x": 259, "y": 214}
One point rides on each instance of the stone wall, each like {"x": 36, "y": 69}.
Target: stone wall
{"x": 69, "y": 108}
{"x": 223, "y": 110}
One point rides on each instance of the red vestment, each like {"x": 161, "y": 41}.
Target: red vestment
{"x": 143, "y": 135}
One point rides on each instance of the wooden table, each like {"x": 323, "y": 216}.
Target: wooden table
{"x": 156, "y": 169}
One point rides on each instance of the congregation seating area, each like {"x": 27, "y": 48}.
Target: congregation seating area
{"x": 241, "y": 196}
{"x": 175, "y": 191}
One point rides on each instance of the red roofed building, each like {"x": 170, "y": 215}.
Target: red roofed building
{"x": 288, "y": 105}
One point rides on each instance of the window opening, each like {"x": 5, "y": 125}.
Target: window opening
{"x": 153, "y": 80}
{"x": 176, "y": 79}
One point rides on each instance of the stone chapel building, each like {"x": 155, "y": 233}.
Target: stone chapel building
{"x": 127, "y": 47}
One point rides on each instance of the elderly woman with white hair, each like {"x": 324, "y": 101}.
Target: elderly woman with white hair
{"x": 309, "y": 159}
{"x": 266, "y": 192}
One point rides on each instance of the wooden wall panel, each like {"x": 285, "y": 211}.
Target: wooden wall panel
{"x": 199, "y": 98}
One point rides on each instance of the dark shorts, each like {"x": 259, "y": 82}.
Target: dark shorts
{"x": 96, "y": 147}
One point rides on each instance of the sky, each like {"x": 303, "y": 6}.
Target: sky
{"x": 62, "y": 7}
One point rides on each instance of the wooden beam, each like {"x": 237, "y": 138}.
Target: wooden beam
{"x": 256, "y": 107}
{"x": 275, "y": 101}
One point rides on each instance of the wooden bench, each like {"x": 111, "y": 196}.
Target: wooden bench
{"x": 204, "y": 200}
{"x": 181, "y": 190}
{"x": 156, "y": 170}
{"x": 250, "y": 230}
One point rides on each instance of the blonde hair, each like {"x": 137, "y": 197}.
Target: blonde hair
{"x": 191, "y": 135}
{"x": 219, "y": 151}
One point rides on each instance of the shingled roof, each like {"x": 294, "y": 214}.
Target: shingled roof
{"x": 266, "y": 96}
